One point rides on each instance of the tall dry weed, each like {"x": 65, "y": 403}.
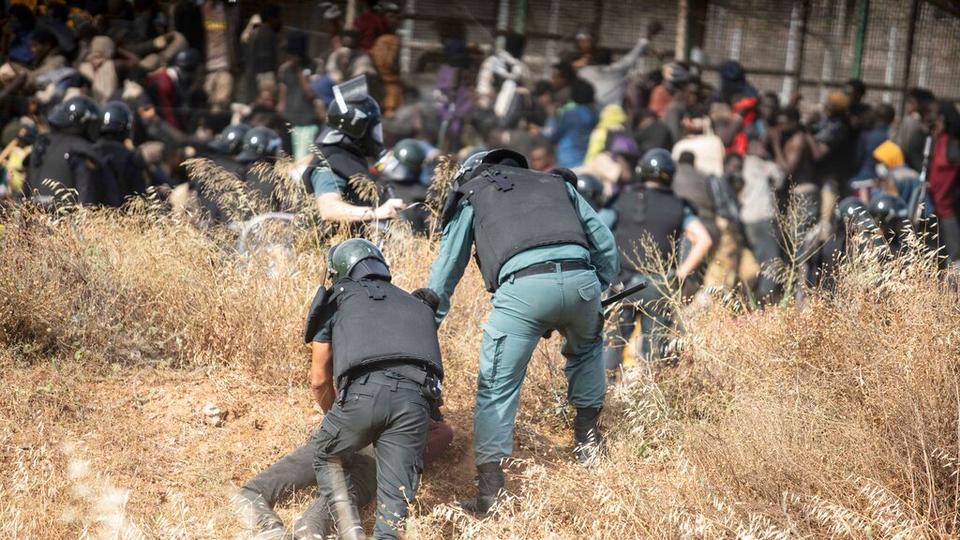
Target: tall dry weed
{"x": 837, "y": 418}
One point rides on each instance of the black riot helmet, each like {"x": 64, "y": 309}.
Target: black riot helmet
{"x": 356, "y": 258}
{"x": 187, "y": 60}
{"x": 79, "y": 115}
{"x": 259, "y": 143}
{"x": 591, "y": 189}
{"x": 886, "y": 209}
{"x": 357, "y": 115}
{"x": 656, "y": 165}
{"x": 498, "y": 156}
{"x": 230, "y": 140}
{"x": 854, "y": 213}
{"x": 116, "y": 119}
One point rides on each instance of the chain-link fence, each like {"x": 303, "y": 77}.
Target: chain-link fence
{"x": 787, "y": 46}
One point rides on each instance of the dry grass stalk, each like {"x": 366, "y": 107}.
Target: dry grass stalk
{"x": 835, "y": 419}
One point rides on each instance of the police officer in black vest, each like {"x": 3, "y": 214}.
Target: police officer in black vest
{"x": 377, "y": 344}
{"x": 650, "y": 222}
{"x": 545, "y": 257}
{"x": 127, "y": 166}
{"x": 260, "y": 144}
{"x": 402, "y": 168}
{"x": 355, "y": 134}
{"x": 225, "y": 147}
{"x": 67, "y": 157}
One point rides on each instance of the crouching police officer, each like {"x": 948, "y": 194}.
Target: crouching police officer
{"x": 378, "y": 345}
{"x": 546, "y": 257}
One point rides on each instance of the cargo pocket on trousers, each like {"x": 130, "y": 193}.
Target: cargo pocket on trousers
{"x": 327, "y": 436}
{"x": 494, "y": 342}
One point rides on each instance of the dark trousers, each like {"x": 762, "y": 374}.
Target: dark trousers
{"x": 649, "y": 306}
{"x": 295, "y": 471}
{"x": 389, "y": 411}
{"x": 762, "y": 238}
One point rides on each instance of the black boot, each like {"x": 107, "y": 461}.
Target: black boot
{"x": 587, "y": 440}
{"x": 490, "y": 481}
{"x": 258, "y": 516}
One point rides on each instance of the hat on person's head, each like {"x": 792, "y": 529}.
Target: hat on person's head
{"x": 584, "y": 33}
{"x": 889, "y": 154}
{"x": 838, "y": 102}
{"x": 622, "y": 144}
{"x": 296, "y": 43}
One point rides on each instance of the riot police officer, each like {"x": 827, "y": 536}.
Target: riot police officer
{"x": 67, "y": 156}
{"x": 259, "y": 144}
{"x": 546, "y": 257}
{"x": 650, "y": 215}
{"x": 402, "y": 169}
{"x": 387, "y": 382}
{"x": 223, "y": 149}
{"x": 354, "y": 134}
{"x": 127, "y": 166}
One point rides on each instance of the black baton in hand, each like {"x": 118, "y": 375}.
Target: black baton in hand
{"x": 623, "y": 294}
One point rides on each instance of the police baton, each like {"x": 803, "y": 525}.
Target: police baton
{"x": 623, "y": 294}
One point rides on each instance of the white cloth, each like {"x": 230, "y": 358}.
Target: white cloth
{"x": 757, "y": 200}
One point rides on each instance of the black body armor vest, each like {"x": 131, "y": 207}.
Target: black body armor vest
{"x": 645, "y": 211}
{"x": 517, "y": 209}
{"x": 51, "y": 159}
{"x": 125, "y": 165}
{"x": 377, "y": 322}
{"x": 343, "y": 162}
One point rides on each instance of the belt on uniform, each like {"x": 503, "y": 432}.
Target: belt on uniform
{"x": 548, "y": 267}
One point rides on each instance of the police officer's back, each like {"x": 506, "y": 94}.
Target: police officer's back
{"x": 546, "y": 257}
{"x": 378, "y": 345}
{"x": 127, "y": 166}
{"x": 650, "y": 221}
{"x": 67, "y": 157}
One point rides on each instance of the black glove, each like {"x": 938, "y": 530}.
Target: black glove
{"x": 428, "y": 297}
{"x": 566, "y": 174}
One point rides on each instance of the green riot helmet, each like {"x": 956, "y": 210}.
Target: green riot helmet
{"x": 405, "y": 161}
{"x": 356, "y": 258}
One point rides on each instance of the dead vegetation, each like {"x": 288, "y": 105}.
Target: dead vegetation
{"x": 838, "y": 419}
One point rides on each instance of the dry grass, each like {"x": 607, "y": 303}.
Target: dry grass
{"x": 117, "y": 327}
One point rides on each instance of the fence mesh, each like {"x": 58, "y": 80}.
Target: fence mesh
{"x": 787, "y": 46}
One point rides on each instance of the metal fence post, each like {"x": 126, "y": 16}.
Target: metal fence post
{"x": 908, "y": 53}
{"x": 863, "y": 8}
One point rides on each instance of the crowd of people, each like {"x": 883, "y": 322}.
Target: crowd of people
{"x": 566, "y": 185}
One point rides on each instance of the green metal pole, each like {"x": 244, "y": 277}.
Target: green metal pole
{"x": 863, "y": 7}
{"x": 520, "y": 20}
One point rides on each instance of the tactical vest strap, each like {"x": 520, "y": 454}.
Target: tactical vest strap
{"x": 499, "y": 178}
{"x": 373, "y": 290}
